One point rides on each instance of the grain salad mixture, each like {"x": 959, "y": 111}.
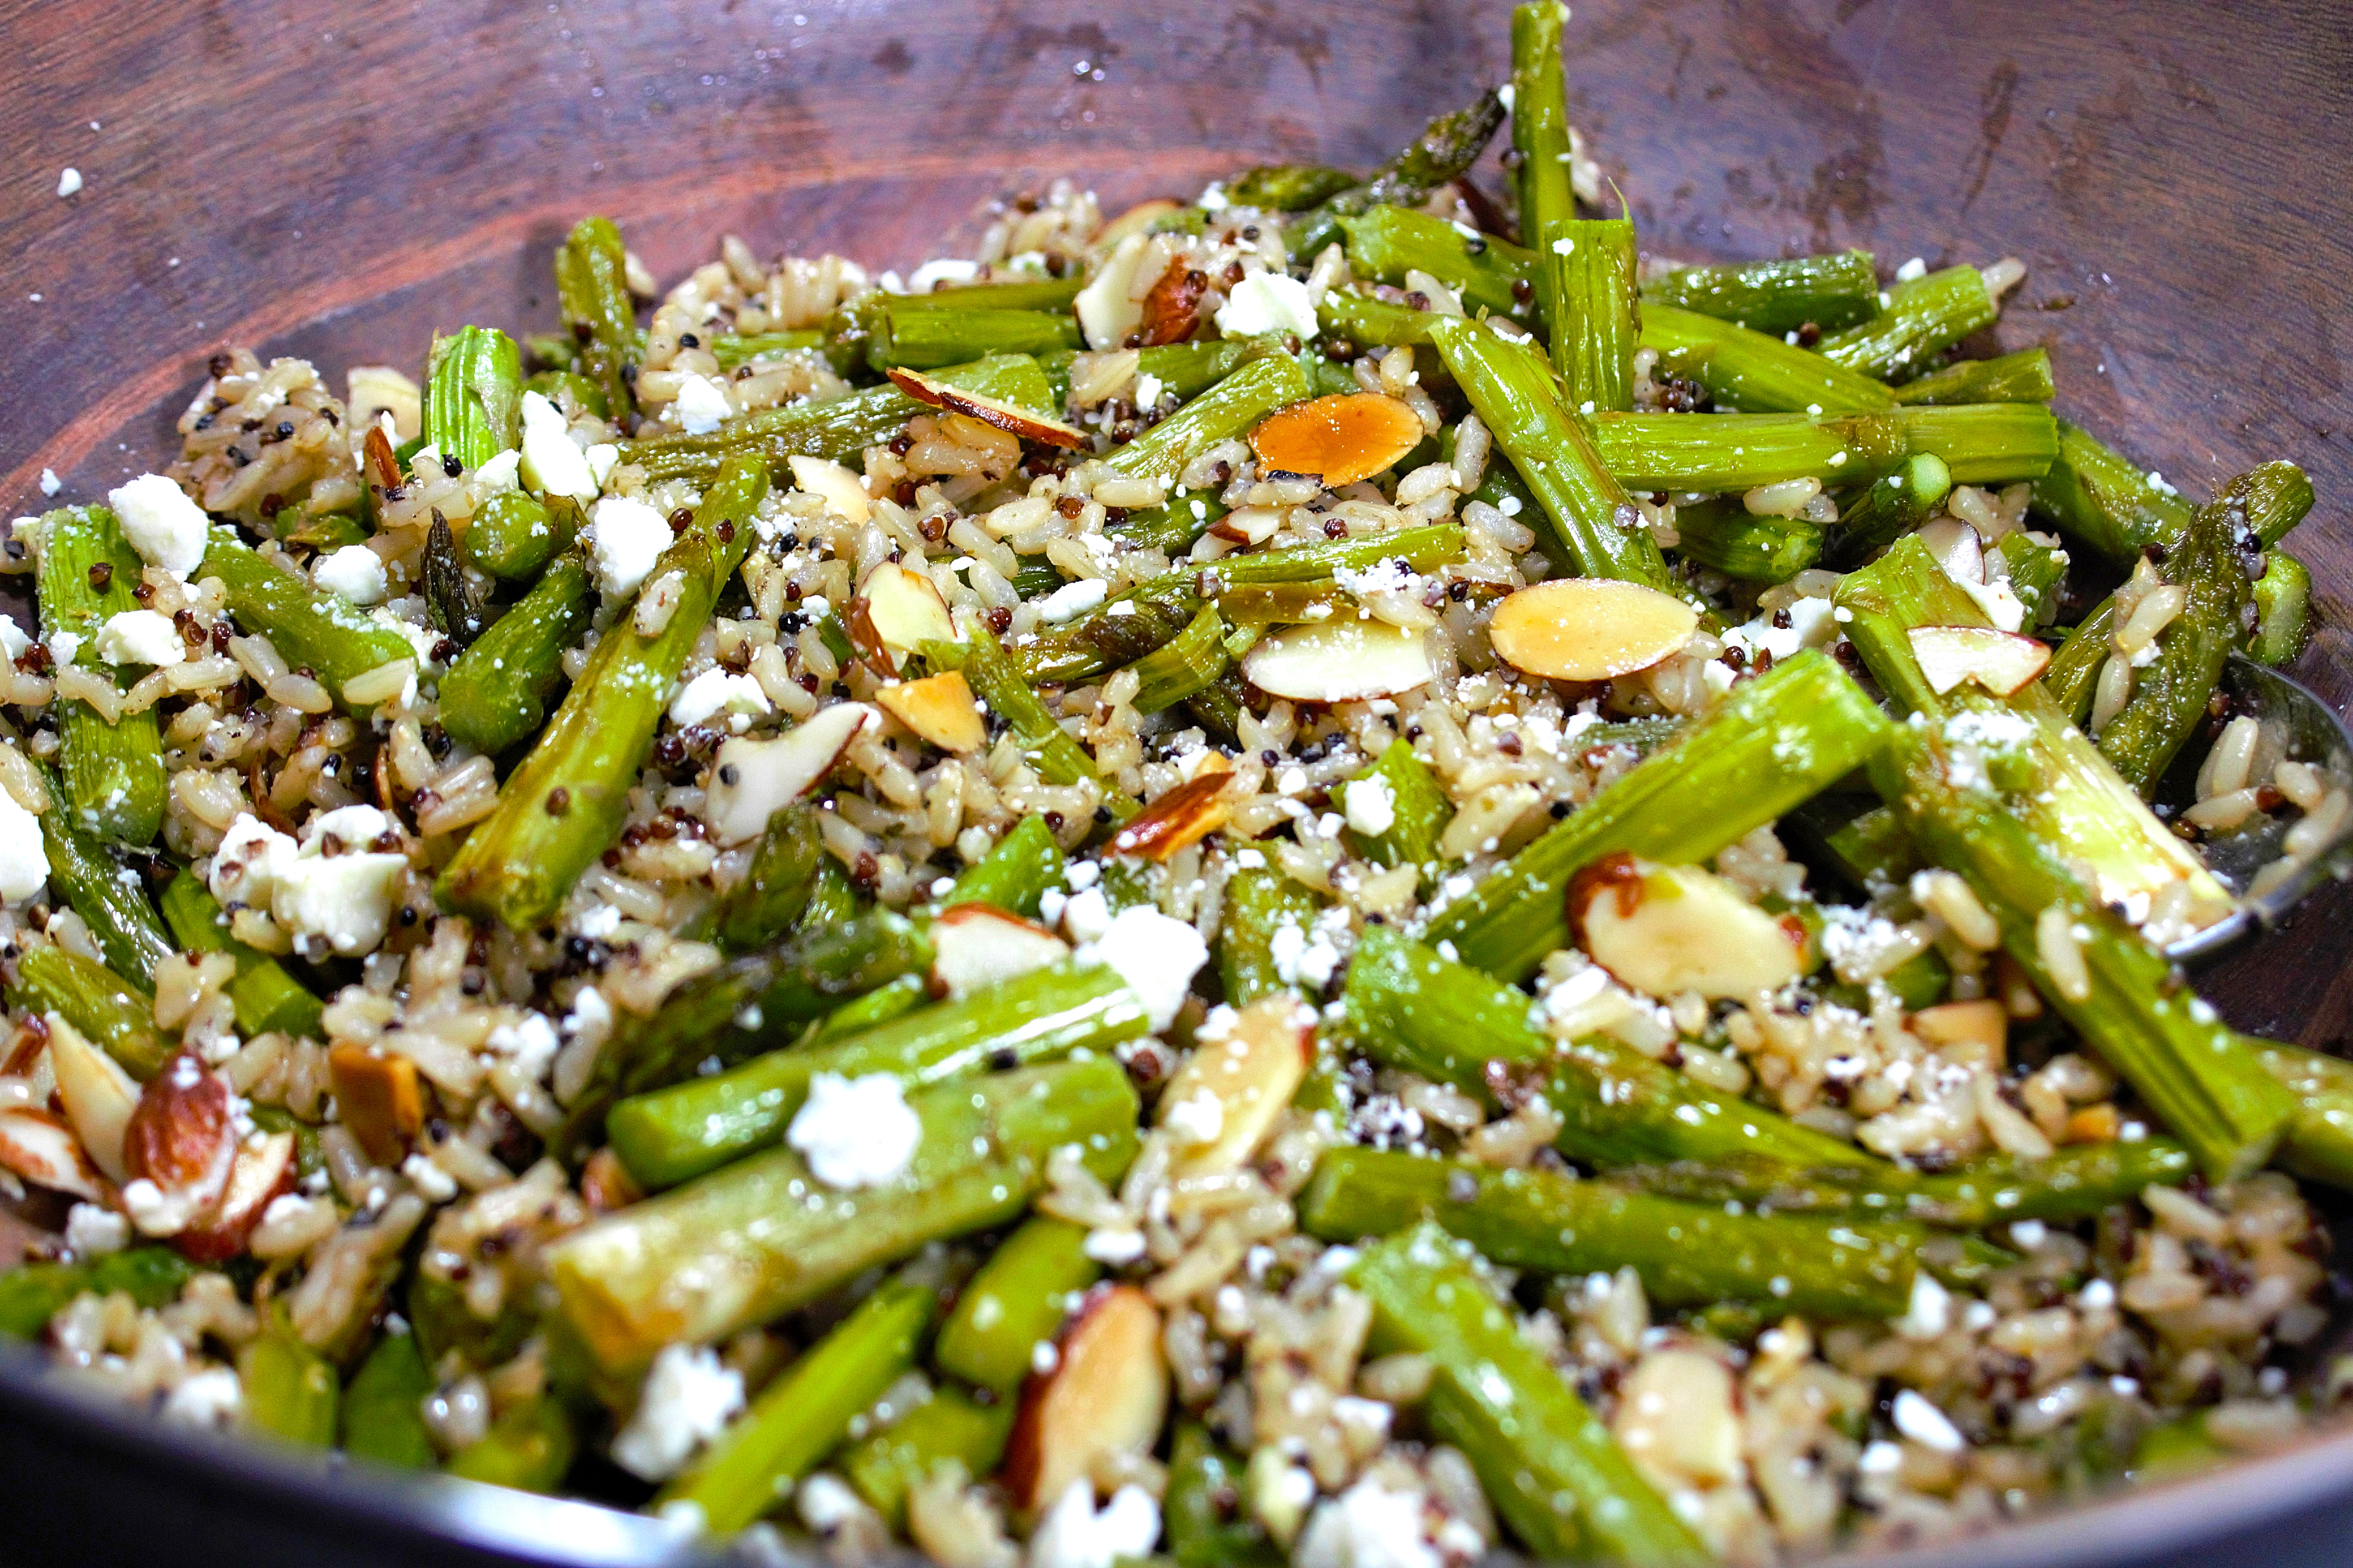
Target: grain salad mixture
{"x": 1340, "y": 873}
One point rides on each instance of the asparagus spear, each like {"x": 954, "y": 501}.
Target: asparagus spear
{"x": 1209, "y": 1525}
{"x": 1688, "y": 1254}
{"x": 1489, "y": 274}
{"x": 2100, "y": 499}
{"x": 381, "y": 1414}
{"x": 1446, "y": 147}
{"x": 1752, "y": 371}
{"x": 1006, "y": 294}
{"x": 97, "y": 1002}
{"x": 111, "y": 897}
{"x": 732, "y": 349}
{"x": 1048, "y": 747}
{"x": 1287, "y": 187}
{"x": 2282, "y": 596}
{"x": 1772, "y": 744}
{"x": 1258, "y": 902}
{"x": 1825, "y": 293}
{"x": 926, "y": 332}
{"x": 289, "y": 1391}
{"x": 33, "y": 1293}
{"x": 763, "y": 1236}
{"x": 592, "y": 291}
{"x": 776, "y": 888}
{"x": 1016, "y": 874}
{"x": 473, "y": 395}
{"x": 1592, "y": 519}
{"x": 1189, "y": 662}
{"x": 266, "y": 997}
{"x": 1419, "y": 813}
{"x": 2094, "y": 970}
{"x": 113, "y": 771}
{"x": 2021, "y": 378}
{"x": 497, "y": 691}
{"x": 949, "y": 1427}
{"x": 1726, "y": 537}
{"x": 1887, "y": 508}
{"x": 671, "y": 1135}
{"x": 514, "y": 533}
{"x": 1545, "y": 1461}
{"x": 322, "y": 634}
{"x": 1990, "y": 443}
{"x": 1920, "y": 320}
{"x": 2169, "y": 696}
{"x": 1219, "y": 413}
{"x": 1540, "y": 121}
{"x": 528, "y": 1447}
{"x": 561, "y": 809}
{"x": 1016, "y": 1304}
{"x": 1587, "y": 284}
{"x": 808, "y": 1410}
{"x": 2319, "y": 1143}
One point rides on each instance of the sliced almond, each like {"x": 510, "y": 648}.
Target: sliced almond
{"x": 1021, "y": 422}
{"x": 379, "y": 1099}
{"x": 1249, "y": 1075}
{"x": 1171, "y": 308}
{"x": 1138, "y": 219}
{"x": 180, "y": 1138}
{"x": 1342, "y": 438}
{"x": 2001, "y": 662}
{"x": 98, "y": 1095}
{"x": 1956, "y": 547}
{"x": 1588, "y": 628}
{"x": 1103, "y": 1398}
{"x": 43, "y": 1150}
{"x": 831, "y": 483}
{"x": 1183, "y": 815}
{"x": 1339, "y": 661}
{"x": 900, "y": 611}
{"x": 263, "y": 1171}
{"x": 751, "y": 780}
{"x": 1107, "y": 307}
{"x": 1976, "y": 1032}
{"x": 977, "y": 945}
{"x": 1248, "y": 524}
{"x": 940, "y": 708}
{"x": 606, "y": 1183}
{"x": 1666, "y": 930}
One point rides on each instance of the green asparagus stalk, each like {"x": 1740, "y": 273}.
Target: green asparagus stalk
{"x": 1887, "y": 508}
{"x": 497, "y": 691}
{"x": 1016, "y": 1304}
{"x": 876, "y": 1007}
{"x": 1016, "y": 874}
{"x": 1586, "y": 279}
{"x": 1773, "y": 742}
{"x": 113, "y": 771}
{"x": 1920, "y": 320}
{"x": 2282, "y": 596}
{"x": 1488, "y": 274}
{"x": 763, "y": 1236}
{"x": 1210, "y": 1523}
{"x": 1004, "y": 294}
{"x": 1726, "y": 537}
{"x": 925, "y": 333}
{"x": 2170, "y": 694}
{"x": 950, "y": 1427}
{"x": 2021, "y": 378}
{"x": 1593, "y": 519}
{"x": 671, "y": 1135}
{"x": 1223, "y": 412}
{"x": 1258, "y": 902}
{"x": 1754, "y": 371}
{"x": 1048, "y": 747}
{"x": 808, "y": 1410}
{"x": 561, "y": 809}
{"x": 1825, "y": 293}
{"x": 528, "y": 1447}
{"x": 592, "y": 291}
{"x": 1192, "y": 661}
{"x": 1287, "y": 187}
{"x": 1688, "y": 1254}
{"x": 33, "y": 1293}
{"x": 1352, "y": 316}
{"x": 1446, "y": 148}
{"x": 322, "y": 633}
{"x": 1419, "y": 813}
{"x": 1156, "y": 612}
{"x": 2094, "y": 970}
{"x": 1991, "y": 443}
{"x": 381, "y": 1414}
{"x": 289, "y": 1391}
{"x": 473, "y": 395}
{"x": 1545, "y": 1461}
{"x": 571, "y": 392}
{"x": 2100, "y": 499}
{"x": 2319, "y": 1143}
{"x": 109, "y": 897}
{"x": 734, "y": 348}
{"x": 514, "y": 534}
{"x": 1540, "y": 121}
{"x": 97, "y": 1002}
{"x": 776, "y": 888}
{"x": 265, "y": 996}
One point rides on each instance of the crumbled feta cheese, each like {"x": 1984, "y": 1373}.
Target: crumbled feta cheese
{"x": 68, "y": 182}
{"x": 1881, "y": 1459}
{"x": 553, "y": 464}
{"x": 209, "y": 1400}
{"x": 433, "y": 1184}
{"x": 1372, "y": 810}
{"x": 1268, "y": 302}
{"x": 1156, "y": 954}
{"x": 826, "y": 1502}
{"x": 1074, "y": 1535}
{"x": 1072, "y": 600}
{"x": 944, "y": 269}
{"x": 50, "y": 483}
{"x": 158, "y": 1213}
{"x": 1085, "y": 915}
{"x": 1930, "y": 1311}
{"x": 1081, "y": 875}
{"x": 1369, "y": 1526}
{"x": 686, "y": 1402}
{"x": 701, "y": 404}
{"x": 1197, "y": 1119}
{"x": 532, "y": 1043}
{"x": 349, "y": 826}
{"x": 717, "y": 691}
{"x": 1911, "y": 269}
{"x": 1147, "y": 391}
{"x": 1926, "y": 1425}
{"x": 355, "y": 571}
{"x": 855, "y": 1132}
{"x": 161, "y": 524}
{"x": 344, "y": 901}
{"x": 94, "y": 1232}
{"x": 500, "y": 473}
{"x": 24, "y": 863}
{"x": 140, "y": 637}
{"x": 625, "y": 539}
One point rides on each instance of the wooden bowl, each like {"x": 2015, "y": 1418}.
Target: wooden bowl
{"x": 335, "y": 179}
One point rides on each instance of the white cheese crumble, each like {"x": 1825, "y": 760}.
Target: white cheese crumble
{"x": 716, "y": 691}
{"x": 1197, "y": 1119}
{"x": 140, "y": 637}
{"x": 625, "y": 540}
{"x": 1074, "y": 1535}
{"x": 855, "y": 1131}
{"x": 94, "y": 1232}
{"x": 1369, "y": 1526}
{"x": 1926, "y": 1425}
{"x": 1268, "y": 302}
{"x": 209, "y": 1399}
{"x": 344, "y": 901}
{"x": 1371, "y": 808}
{"x": 1156, "y": 954}
{"x": 432, "y": 1183}
{"x": 50, "y": 483}
{"x": 161, "y": 524}
{"x": 701, "y": 404}
{"x": 500, "y": 473}
{"x": 1930, "y": 1311}
{"x": 1072, "y": 600}
{"x": 68, "y": 182}
{"x": 553, "y": 463}
{"x": 355, "y": 571}
{"x": 24, "y": 863}
{"x": 686, "y": 1402}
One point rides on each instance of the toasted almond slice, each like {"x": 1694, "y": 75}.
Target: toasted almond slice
{"x": 974, "y": 945}
{"x": 1137, "y": 220}
{"x": 98, "y": 1095}
{"x": 1339, "y": 661}
{"x": 1171, "y": 308}
{"x": 1021, "y": 422}
{"x": 1104, "y": 1397}
{"x": 1956, "y": 547}
{"x": 180, "y": 1138}
{"x": 1975, "y": 1031}
{"x": 1588, "y": 628}
{"x": 379, "y": 1099}
{"x": 606, "y": 1183}
{"x": 839, "y": 488}
{"x": 1665, "y": 929}
{"x": 1183, "y": 815}
{"x": 1107, "y": 307}
{"x": 751, "y": 780}
{"x": 2093, "y": 1124}
{"x": 1342, "y": 438}
{"x": 2001, "y": 662}
{"x": 1248, "y": 1075}
{"x": 263, "y": 1171}
{"x": 43, "y": 1150}
{"x": 940, "y": 708}
{"x": 1248, "y": 524}
{"x": 902, "y": 610}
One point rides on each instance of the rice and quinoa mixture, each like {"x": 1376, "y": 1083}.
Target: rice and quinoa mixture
{"x": 1339, "y": 872}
